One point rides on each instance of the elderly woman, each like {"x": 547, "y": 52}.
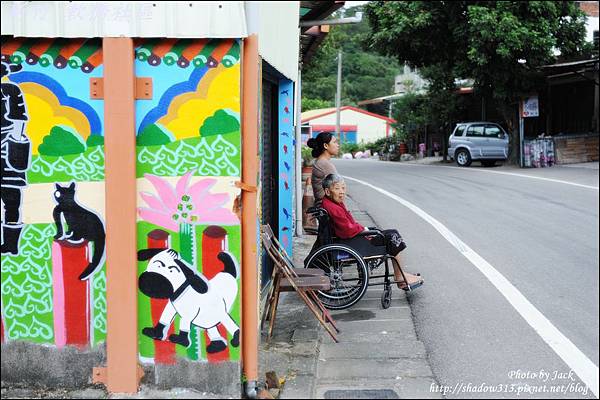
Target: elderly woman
{"x": 345, "y": 227}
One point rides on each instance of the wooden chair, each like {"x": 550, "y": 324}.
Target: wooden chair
{"x": 303, "y": 281}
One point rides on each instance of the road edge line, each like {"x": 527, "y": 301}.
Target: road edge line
{"x": 562, "y": 346}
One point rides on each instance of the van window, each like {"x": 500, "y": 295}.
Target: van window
{"x": 460, "y": 130}
{"x": 475, "y": 130}
{"x": 493, "y": 131}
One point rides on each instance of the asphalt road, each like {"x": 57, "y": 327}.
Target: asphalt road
{"x": 541, "y": 235}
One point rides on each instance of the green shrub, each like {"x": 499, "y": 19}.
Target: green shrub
{"x": 62, "y": 140}
{"x": 154, "y": 135}
{"x": 220, "y": 123}
{"x": 94, "y": 140}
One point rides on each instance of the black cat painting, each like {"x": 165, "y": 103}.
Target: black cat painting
{"x": 81, "y": 225}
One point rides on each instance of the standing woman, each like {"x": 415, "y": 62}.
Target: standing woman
{"x": 324, "y": 146}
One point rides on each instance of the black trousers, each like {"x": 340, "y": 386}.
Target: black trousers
{"x": 11, "y": 197}
{"x": 368, "y": 246}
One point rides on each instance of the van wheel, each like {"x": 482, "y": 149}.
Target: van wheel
{"x": 463, "y": 158}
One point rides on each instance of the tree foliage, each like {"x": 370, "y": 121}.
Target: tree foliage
{"x": 365, "y": 74}
{"x": 94, "y": 140}
{"x": 486, "y": 41}
{"x": 219, "y": 124}
{"x": 62, "y": 140}
{"x": 154, "y": 135}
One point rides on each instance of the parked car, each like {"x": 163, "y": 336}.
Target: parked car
{"x": 478, "y": 141}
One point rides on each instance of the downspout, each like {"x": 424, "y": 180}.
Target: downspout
{"x": 250, "y": 157}
{"x": 298, "y": 135}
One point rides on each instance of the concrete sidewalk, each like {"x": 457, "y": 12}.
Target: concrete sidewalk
{"x": 379, "y": 354}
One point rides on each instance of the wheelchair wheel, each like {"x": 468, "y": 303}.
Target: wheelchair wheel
{"x": 347, "y": 273}
{"x": 386, "y": 297}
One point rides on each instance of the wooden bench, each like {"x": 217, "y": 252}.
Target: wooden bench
{"x": 287, "y": 278}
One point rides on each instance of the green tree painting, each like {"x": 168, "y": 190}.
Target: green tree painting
{"x": 220, "y": 123}
{"x": 95, "y": 140}
{"x": 62, "y": 140}
{"x": 154, "y": 135}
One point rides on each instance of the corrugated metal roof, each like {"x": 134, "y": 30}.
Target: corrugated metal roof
{"x": 86, "y": 19}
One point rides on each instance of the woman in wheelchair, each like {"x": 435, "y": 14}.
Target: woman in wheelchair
{"x": 345, "y": 227}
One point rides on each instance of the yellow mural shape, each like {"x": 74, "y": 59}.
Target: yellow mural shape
{"x": 45, "y": 111}
{"x": 218, "y": 89}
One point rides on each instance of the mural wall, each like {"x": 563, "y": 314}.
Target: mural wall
{"x": 287, "y": 146}
{"x": 188, "y": 160}
{"x": 52, "y": 187}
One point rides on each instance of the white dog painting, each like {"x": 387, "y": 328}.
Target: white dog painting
{"x": 198, "y": 301}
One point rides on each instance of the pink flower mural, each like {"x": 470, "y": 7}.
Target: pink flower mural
{"x": 194, "y": 204}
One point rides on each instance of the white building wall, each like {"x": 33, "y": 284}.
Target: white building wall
{"x": 369, "y": 128}
{"x": 172, "y": 19}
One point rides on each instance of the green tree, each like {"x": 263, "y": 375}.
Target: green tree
{"x": 62, "y": 140}
{"x": 94, "y": 140}
{"x": 219, "y": 124}
{"x": 315, "y": 104}
{"x": 365, "y": 74}
{"x": 154, "y": 135}
{"x": 481, "y": 40}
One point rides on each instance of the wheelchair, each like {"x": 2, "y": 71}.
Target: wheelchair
{"x": 349, "y": 264}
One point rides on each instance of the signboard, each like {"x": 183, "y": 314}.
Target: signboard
{"x": 530, "y": 107}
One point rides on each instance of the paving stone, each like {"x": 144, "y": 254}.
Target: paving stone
{"x": 397, "y": 349}
{"x": 298, "y": 387}
{"x": 305, "y": 335}
{"x": 375, "y": 369}
{"x": 365, "y": 312}
{"x": 376, "y": 327}
{"x": 405, "y": 388}
{"x": 376, "y": 338}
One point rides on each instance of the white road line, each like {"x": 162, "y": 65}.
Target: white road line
{"x": 562, "y": 346}
{"x": 505, "y": 173}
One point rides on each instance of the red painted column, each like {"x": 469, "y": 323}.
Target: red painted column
{"x": 164, "y": 351}
{"x": 214, "y": 241}
{"x": 71, "y": 296}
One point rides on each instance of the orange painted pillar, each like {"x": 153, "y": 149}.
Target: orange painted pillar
{"x": 121, "y": 262}
{"x": 250, "y": 156}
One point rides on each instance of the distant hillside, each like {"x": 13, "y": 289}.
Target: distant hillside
{"x": 365, "y": 74}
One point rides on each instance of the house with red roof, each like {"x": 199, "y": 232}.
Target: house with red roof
{"x": 356, "y": 125}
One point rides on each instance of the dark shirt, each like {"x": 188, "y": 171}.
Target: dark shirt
{"x": 344, "y": 225}
{"x": 13, "y": 104}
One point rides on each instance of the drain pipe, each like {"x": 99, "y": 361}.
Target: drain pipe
{"x": 298, "y": 164}
{"x": 250, "y": 292}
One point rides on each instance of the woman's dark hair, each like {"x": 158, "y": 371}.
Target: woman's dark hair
{"x": 318, "y": 143}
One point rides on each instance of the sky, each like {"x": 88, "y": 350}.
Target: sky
{"x": 349, "y": 4}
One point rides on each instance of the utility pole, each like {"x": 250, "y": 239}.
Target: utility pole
{"x": 338, "y": 97}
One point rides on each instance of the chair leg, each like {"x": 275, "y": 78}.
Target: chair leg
{"x": 325, "y": 313}
{"x": 315, "y": 310}
{"x": 274, "y": 309}
{"x": 269, "y": 305}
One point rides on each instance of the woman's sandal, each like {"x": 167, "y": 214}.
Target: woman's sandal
{"x": 408, "y": 288}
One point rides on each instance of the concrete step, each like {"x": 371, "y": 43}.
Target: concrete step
{"x": 395, "y": 349}
{"x": 335, "y": 370}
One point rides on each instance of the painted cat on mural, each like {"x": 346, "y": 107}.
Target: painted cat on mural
{"x": 83, "y": 225}
{"x": 198, "y": 301}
